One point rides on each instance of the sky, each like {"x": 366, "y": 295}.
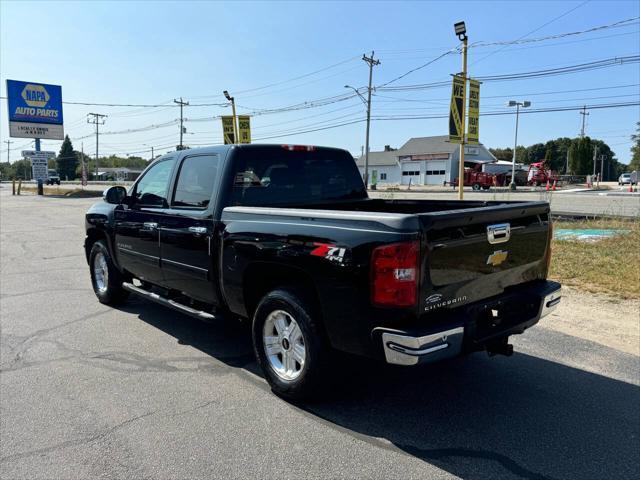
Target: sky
{"x": 271, "y": 55}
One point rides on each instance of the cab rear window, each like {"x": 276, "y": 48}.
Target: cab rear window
{"x": 277, "y": 176}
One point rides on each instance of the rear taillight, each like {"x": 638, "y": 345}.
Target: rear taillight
{"x": 394, "y": 274}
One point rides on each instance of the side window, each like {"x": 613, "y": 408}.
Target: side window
{"x": 196, "y": 180}
{"x": 151, "y": 190}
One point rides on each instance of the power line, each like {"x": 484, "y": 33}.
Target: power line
{"x": 448, "y": 52}
{"x": 303, "y": 130}
{"x": 533, "y": 31}
{"x": 582, "y": 67}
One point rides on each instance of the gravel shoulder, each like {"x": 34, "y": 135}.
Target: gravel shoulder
{"x": 602, "y": 319}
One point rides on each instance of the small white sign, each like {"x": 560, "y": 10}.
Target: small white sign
{"x": 36, "y": 130}
{"x": 39, "y": 163}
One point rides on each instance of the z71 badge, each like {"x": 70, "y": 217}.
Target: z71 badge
{"x": 330, "y": 252}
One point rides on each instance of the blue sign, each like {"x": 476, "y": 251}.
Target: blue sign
{"x": 34, "y": 102}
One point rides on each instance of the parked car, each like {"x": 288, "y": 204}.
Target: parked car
{"x": 624, "y": 179}
{"x": 634, "y": 177}
{"x": 52, "y": 177}
{"x": 286, "y": 237}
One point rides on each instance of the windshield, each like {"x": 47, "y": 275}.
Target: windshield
{"x": 278, "y": 176}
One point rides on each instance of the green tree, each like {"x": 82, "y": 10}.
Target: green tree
{"x": 21, "y": 169}
{"x": 635, "y": 149}
{"x": 67, "y": 160}
{"x": 505, "y": 154}
{"x": 536, "y": 153}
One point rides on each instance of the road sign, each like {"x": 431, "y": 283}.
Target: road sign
{"x": 244, "y": 128}
{"x": 227, "y": 130}
{"x": 473, "y": 129}
{"x": 455, "y": 111}
{"x": 35, "y": 110}
{"x": 39, "y": 163}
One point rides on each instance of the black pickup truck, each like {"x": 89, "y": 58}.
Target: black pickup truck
{"x": 287, "y": 237}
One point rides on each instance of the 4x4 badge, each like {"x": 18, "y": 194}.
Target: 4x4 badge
{"x": 497, "y": 257}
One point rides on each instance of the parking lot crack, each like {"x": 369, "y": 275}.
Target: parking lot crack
{"x": 80, "y": 441}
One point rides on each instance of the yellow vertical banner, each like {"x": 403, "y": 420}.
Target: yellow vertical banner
{"x": 473, "y": 129}
{"x": 455, "y": 111}
{"x": 227, "y": 130}
{"x": 244, "y": 129}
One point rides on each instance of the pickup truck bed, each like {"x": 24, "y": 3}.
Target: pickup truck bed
{"x": 288, "y": 236}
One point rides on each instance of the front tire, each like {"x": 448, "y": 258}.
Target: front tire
{"x": 476, "y": 186}
{"x": 106, "y": 279}
{"x": 289, "y": 344}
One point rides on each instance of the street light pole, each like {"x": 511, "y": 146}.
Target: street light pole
{"x": 512, "y": 185}
{"x": 233, "y": 111}
{"x": 513, "y": 103}
{"x": 461, "y": 31}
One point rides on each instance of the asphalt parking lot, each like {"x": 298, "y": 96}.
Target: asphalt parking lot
{"x": 90, "y": 391}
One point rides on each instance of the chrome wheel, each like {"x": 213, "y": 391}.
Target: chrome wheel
{"x": 284, "y": 345}
{"x": 101, "y": 272}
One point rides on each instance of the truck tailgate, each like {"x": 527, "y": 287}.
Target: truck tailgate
{"x": 476, "y": 253}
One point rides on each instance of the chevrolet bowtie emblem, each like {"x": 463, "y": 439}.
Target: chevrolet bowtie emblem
{"x": 497, "y": 257}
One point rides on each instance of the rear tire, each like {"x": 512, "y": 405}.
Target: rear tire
{"x": 289, "y": 344}
{"x": 106, "y": 279}
{"x": 476, "y": 186}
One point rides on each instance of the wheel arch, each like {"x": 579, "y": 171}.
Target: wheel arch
{"x": 262, "y": 277}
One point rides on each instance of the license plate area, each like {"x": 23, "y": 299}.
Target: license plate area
{"x": 490, "y": 319}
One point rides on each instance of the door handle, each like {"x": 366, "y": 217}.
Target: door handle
{"x": 198, "y": 229}
{"x": 150, "y": 225}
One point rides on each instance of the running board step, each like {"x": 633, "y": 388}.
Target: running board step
{"x": 154, "y": 297}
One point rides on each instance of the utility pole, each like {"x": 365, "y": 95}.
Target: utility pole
{"x": 602, "y": 167}
{"x": 97, "y": 119}
{"x": 595, "y": 160}
{"x": 8, "y": 142}
{"x": 182, "y": 104}
{"x": 566, "y": 165}
{"x": 371, "y": 62}
{"x": 584, "y": 114}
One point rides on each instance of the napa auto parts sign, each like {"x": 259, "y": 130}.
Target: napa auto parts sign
{"x": 35, "y": 110}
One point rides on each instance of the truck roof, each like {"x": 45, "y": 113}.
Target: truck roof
{"x": 223, "y": 149}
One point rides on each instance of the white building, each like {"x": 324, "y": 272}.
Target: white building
{"x": 422, "y": 161}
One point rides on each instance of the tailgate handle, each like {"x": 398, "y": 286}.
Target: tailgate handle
{"x": 499, "y": 233}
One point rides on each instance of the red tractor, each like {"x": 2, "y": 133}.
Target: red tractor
{"x": 540, "y": 174}
{"x": 476, "y": 178}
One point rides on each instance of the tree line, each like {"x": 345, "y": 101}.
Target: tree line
{"x": 68, "y": 164}
{"x": 575, "y": 156}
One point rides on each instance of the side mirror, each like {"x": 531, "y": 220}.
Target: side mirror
{"x": 115, "y": 195}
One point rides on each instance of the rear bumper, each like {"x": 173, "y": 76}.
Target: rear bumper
{"x": 472, "y": 327}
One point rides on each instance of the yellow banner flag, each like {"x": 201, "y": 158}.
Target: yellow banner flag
{"x": 455, "y": 111}
{"x": 227, "y": 130}
{"x": 473, "y": 130}
{"x": 244, "y": 129}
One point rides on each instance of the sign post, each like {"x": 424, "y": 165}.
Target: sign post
{"x": 35, "y": 111}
